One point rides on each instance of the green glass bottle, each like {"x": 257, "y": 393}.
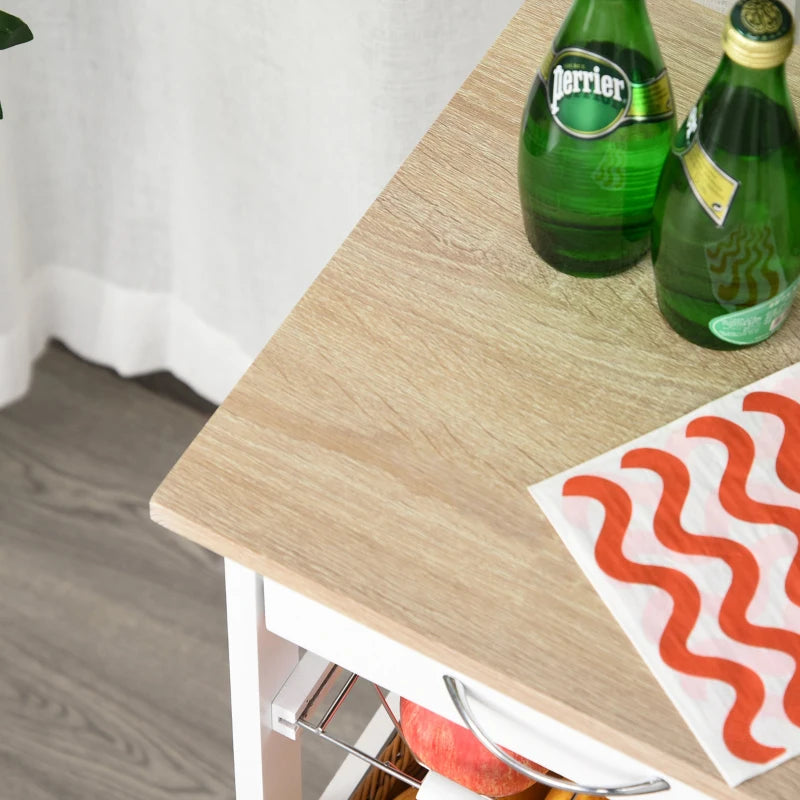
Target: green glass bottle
{"x": 595, "y": 132}
{"x": 726, "y": 236}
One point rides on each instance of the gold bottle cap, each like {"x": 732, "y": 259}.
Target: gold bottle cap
{"x": 759, "y": 33}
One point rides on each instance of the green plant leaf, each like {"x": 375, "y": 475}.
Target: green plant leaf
{"x": 13, "y": 31}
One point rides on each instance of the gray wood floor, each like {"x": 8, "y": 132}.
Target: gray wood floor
{"x": 113, "y": 663}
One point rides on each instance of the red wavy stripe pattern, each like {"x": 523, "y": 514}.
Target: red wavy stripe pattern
{"x": 788, "y": 462}
{"x": 673, "y": 648}
{"x": 733, "y": 493}
{"x": 745, "y": 574}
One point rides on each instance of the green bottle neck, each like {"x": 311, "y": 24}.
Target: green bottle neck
{"x": 622, "y": 27}
{"x": 770, "y": 82}
{"x": 605, "y": 6}
{"x": 747, "y": 112}
{"x": 607, "y": 19}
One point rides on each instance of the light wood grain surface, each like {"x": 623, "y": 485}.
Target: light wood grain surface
{"x": 375, "y": 456}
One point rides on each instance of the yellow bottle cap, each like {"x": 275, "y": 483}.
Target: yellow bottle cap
{"x": 759, "y": 33}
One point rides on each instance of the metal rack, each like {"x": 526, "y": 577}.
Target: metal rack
{"x": 316, "y": 691}
{"x": 310, "y": 701}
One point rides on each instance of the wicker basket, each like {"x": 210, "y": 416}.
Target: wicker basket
{"x": 379, "y": 785}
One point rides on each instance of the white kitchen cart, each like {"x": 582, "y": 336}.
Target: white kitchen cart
{"x": 366, "y": 479}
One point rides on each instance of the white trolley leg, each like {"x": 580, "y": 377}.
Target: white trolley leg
{"x": 266, "y": 764}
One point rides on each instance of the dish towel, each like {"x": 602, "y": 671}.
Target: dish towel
{"x": 690, "y": 536}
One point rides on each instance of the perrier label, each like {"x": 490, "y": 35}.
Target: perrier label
{"x": 595, "y": 132}
{"x": 590, "y": 96}
{"x": 726, "y": 239}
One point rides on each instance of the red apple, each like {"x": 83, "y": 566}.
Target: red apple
{"x": 456, "y": 753}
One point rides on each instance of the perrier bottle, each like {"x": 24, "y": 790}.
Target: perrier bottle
{"x": 726, "y": 239}
{"x": 595, "y": 132}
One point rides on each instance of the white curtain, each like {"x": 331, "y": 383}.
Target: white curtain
{"x": 175, "y": 173}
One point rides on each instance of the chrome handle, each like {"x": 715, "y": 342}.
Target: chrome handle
{"x": 458, "y": 694}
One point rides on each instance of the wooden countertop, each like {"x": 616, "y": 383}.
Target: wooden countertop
{"x": 376, "y": 455}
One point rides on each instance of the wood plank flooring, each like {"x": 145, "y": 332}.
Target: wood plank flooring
{"x": 113, "y": 661}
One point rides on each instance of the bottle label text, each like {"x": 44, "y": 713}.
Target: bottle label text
{"x": 590, "y": 96}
